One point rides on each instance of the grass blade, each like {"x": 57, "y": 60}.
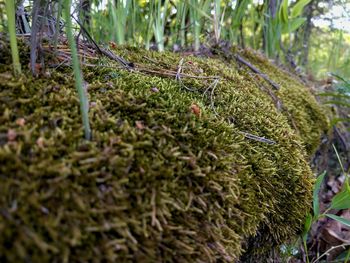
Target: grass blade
{"x": 341, "y": 220}
{"x": 84, "y": 104}
{"x": 316, "y": 203}
{"x": 10, "y": 10}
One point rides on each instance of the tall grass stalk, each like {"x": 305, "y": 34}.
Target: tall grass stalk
{"x": 159, "y": 21}
{"x": 149, "y": 31}
{"x": 84, "y": 103}
{"x": 11, "y": 23}
{"x": 271, "y": 27}
{"x": 334, "y": 55}
{"x": 218, "y": 18}
{"x": 120, "y": 11}
{"x": 195, "y": 22}
{"x": 57, "y": 26}
{"x": 237, "y": 16}
{"x": 180, "y": 26}
{"x": 198, "y": 9}
{"x": 132, "y": 21}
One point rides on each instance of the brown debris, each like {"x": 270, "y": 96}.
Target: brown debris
{"x": 196, "y": 110}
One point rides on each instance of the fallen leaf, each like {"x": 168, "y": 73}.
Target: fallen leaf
{"x": 47, "y": 74}
{"x": 6, "y": 75}
{"x": 11, "y": 135}
{"x": 333, "y": 239}
{"x": 114, "y": 140}
{"x": 40, "y": 142}
{"x": 112, "y": 44}
{"x": 21, "y": 122}
{"x": 196, "y": 110}
{"x": 139, "y": 125}
{"x": 155, "y": 89}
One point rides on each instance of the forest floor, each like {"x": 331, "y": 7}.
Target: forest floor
{"x": 329, "y": 240}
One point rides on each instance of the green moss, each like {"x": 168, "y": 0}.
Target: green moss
{"x": 308, "y": 118}
{"x": 158, "y": 183}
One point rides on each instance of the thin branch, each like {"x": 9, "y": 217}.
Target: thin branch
{"x": 256, "y": 70}
{"x": 329, "y": 250}
{"x": 179, "y": 69}
{"x": 103, "y": 51}
{"x": 178, "y": 76}
{"x": 257, "y": 138}
{"x": 212, "y": 88}
{"x": 170, "y": 73}
{"x": 277, "y": 101}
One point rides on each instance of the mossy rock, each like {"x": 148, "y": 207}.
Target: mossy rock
{"x": 172, "y": 173}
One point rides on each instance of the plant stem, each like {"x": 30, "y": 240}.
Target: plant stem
{"x": 10, "y": 10}
{"x": 306, "y": 251}
{"x": 195, "y": 21}
{"x": 57, "y": 27}
{"x": 84, "y": 103}
{"x": 160, "y": 16}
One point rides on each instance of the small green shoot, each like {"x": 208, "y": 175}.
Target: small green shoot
{"x": 307, "y": 226}
{"x": 316, "y": 204}
{"x": 340, "y": 201}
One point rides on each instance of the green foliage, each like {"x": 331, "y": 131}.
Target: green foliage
{"x": 84, "y": 103}
{"x": 159, "y": 20}
{"x": 341, "y": 97}
{"x": 283, "y": 12}
{"x": 198, "y": 10}
{"x": 330, "y": 52}
{"x": 343, "y": 87}
{"x": 307, "y": 226}
{"x": 246, "y": 22}
{"x": 298, "y": 8}
{"x": 316, "y": 205}
{"x": 179, "y": 30}
{"x": 310, "y": 219}
{"x": 191, "y": 22}
{"x": 293, "y": 24}
{"x": 217, "y": 20}
{"x": 10, "y": 11}
{"x": 120, "y": 10}
{"x": 340, "y": 201}
{"x": 237, "y": 15}
{"x": 342, "y": 220}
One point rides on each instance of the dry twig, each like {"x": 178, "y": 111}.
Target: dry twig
{"x": 257, "y": 138}
{"x": 256, "y": 70}
{"x": 329, "y": 250}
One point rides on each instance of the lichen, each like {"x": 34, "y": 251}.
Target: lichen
{"x": 159, "y": 182}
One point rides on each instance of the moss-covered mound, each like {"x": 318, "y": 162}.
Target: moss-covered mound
{"x": 306, "y": 117}
{"x": 200, "y": 166}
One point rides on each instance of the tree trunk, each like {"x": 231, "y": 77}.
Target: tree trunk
{"x": 307, "y": 32}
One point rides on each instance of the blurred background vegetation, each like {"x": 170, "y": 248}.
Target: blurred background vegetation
{"x": 312, "y": 36}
